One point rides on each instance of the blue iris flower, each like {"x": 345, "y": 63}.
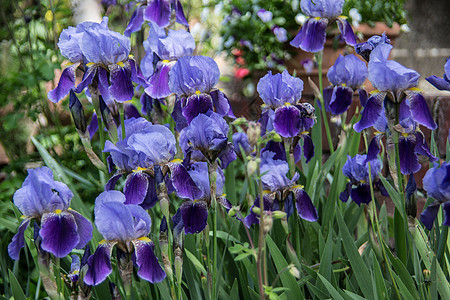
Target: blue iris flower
{"x": 282, "y": 110}
{"x": 47, "y": 201}
{"x": 442, "y": 84}
{"x": 346, "y": 75}
{"x": 397, "y": 84}
{"x": 364, "y": 49}
{"x": 280, "y": 192}
{"x": 126, "y": 227}
{"x": 312, "y": 35}
{"x": 437, "y": 184}
{"x": 193, "y": 80}
{"x": 206, "y": 138}
{"x": 158, "y": 12}
{"x": 357, "y": 170}
{"x": 162, "y": 53}
{"x": 106, "y": 54}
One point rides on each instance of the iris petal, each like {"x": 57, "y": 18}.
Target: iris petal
{"x": 121, "y": 86}
{"x": 194, "y": 215}
{"x": 84, "y": 228}
{"x": 429, "y": 214}
{"x": 287, "y": 121}
{"x": 135, "y": 188}
{"x": 311, "y": 36}
{"x": 65, "y": 84}
{"x": 371, "y": 113}
{"x": 420, "y": 111}
{"x": 18, "y": 241}
{"x": 99, "y": 264}
{"x": 305, "y": 207}
{"x": 149, "y": 267}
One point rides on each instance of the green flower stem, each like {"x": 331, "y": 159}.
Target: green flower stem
{"x": 212, "y": 168}
{"x": 399, "y": 223}
{"x": 374, "y": 221}
{"x": 319, "y": 56}
{"x": 122, "y": 119}
{"x": 261, "y": 239}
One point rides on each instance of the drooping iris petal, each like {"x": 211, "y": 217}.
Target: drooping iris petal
{"x": 136, "y": 21}
{"x": 374, "y": 148}
{"x": 240, "y": 139}
{"x": 420, "y": 112}
{"x": 147, "y": 262}
{"x": 151, "y": 197}
{"x": 308, "y": 147}
{"x": 346, "y": 30}
{"x": 287, "y": 121}
{"x": 158, "y": 11}
{"x": 344, "y": 195}
{"x": 409, "y": 163}
{"x": 446, "y": 208}
{"x": 361, "y": 194}
{"x": 131, "y": 111}
{"x": 371, "y": 112}
{"x": 65, "y": 84}
{"x": 439, "y": 83}
{"x": 311, "y": 36}
{"x": 428, "y": 216}
{"x": 194, "y": 215}
{"x": 183, "y": 183}
{"x": 179, "y": 14}
{"x": 437, "y": 182}
{"x": 159, "y": 81}
{"x": 363, "y": 97}
{"x": 84, "y": 228}
{"x": 18, "y": 241}
{"x": 59, "y": 233}
{"x": 422, "y": 147}
{"x": 99, "y": 264}
{"x": 274, "y": 171}
{"x": 221, "y": 103}
{"x": 305, "y": 207}
{"x": 341, "y": 99}
{"x": 197, "y": 104}
{"x": 121, "y": 86}
{"x": 227, "y": 155}
{"x": 135, "y": 188}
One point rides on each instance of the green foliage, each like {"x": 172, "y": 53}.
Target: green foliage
{"x": 372, "y": 11}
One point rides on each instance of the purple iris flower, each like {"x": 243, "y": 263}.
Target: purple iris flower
{"x": 312, "y": 35}
{"x": 193, "y": 79}
{"x": 157, "y": 11}
{"x": 442, "y": 84}
{"x": 437, "y": 184}
{"x": 265, "y": 15}
{"x": 106, "y": 54}
{"x": 281, "y": 192}
{"x": 162, "y": 53}
{"x": 208, "y": 134}
{"x": 357, "y": 170}
{"x": 364, "y": 49}
{"x": 346, "y": 75}
{"x": 127, "y": 227}
{"x": 47, "y": 201}
{"x": 144, "y": 147}
{"x": 194, "y": 210}
{"x": 411, "y": 143}
{"x": 283, "y": 111}
{"x": 394, "y": 83}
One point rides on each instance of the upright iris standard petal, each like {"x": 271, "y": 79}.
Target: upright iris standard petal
{"x": 348, "y": 70}
{"x": 276, "y": 90}
{"x": 59, "y": 233}
{"x": 322, "y": 8}
{"x": 364, "y": 49}
{"x": 147, "y": 262}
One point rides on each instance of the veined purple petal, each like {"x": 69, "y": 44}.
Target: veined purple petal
{"x": 149, "y": 267}
{"x": 18, "y": 241}
{"x": 194, "y": 215}
{"x": 88, "y": 76}
{"x": 131, "y": 111}
{"x": 347, "y": 32}
{"x": 371, "y": 112}
{"x": 84, "y": 228}
{"x": 374, "y": 148}
{"x": 240, "y": 139}
{"x": 135, "y": 188}
{"x": 93, "y": 125}
{"x": 308, "y": 147}
{"x": 327, "y": 94}
{"x": 99, "y": 264}
{"x": 178, "y": 117}
{"x": 275, "y": 90}
{"x": 227, "y": 156}
{"x": 305, "y": 207}
{"x": 348, "y": 70}
{"x": 341, "y": 99}
{"x": 183, "y": 183}
{"x": 103, "y": 86}
{"x": 322, "y": 8}
{"x": 363, "y": 97}
{"x": 197, "y": 104}
{"x": 287, "y": 121}
{"x": 59, "y": 233}
{"x": 422, "y": 147}
{"x": 361, "y": 194}
{"x": 420, "y": 112}
{"x": 159, "y": 81}
{"x": 65, "y": 84}
{"x": 311, "y": 36}
{"x": 151, "y": 197}
{"x": 429, "y": 214}
{"x": 277, "y": 148}
{"x": 409, "y": 163}
{"x": 158, "y": 11}
{"x": 136, "y": 21}
{"x": 221, "y": 103}
{"x": 121, "y": 86}
{"x": 179, "y": 14}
